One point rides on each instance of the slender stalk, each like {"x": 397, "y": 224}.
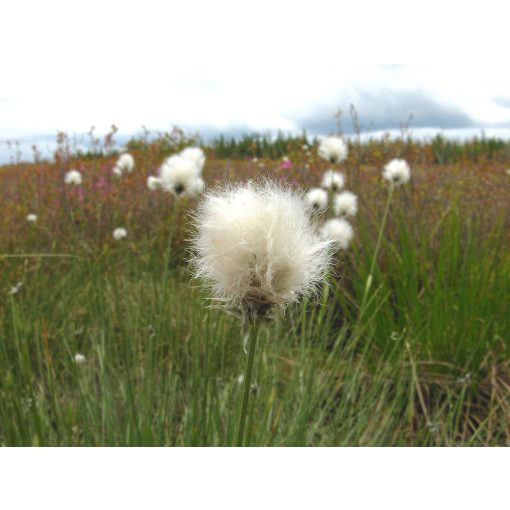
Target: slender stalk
{"x": 163, "y": 296}
{"x": 168, "y": 252}
{"x": 247, "y": 384}
{"x": 376, "y": 251}
{"x": 330, "y": 213}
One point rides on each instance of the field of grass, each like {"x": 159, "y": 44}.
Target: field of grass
{"x": 422, "y": 359}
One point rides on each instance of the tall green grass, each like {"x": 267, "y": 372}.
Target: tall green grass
{"x": 426, "y": 363}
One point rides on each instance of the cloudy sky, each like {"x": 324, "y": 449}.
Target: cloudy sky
{"x": 247, "y": 66}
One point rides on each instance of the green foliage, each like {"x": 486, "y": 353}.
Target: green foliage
{"x": 452, "y": 151}
{"x": 422, "y": 358}
{"x": 256, "y": 145}
{"x": 417, "y": 368}
{"x": 165, "y": 143}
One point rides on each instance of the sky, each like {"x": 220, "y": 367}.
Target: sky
{"x": 235, "y": 67}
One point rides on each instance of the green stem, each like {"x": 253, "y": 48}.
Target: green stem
{"x": 164, "y": 281}
{"x": 247, "y": 384}
{"x": 331, "y": 214}
{"x": 169, "y": 244}
{"x": 376, "y": 251}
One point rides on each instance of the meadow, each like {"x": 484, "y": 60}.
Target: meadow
{"x": 421, "y": 358}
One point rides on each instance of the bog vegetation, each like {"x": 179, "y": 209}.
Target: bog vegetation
{"x": 106, "y": 339}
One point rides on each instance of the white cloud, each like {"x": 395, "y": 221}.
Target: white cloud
{"x": 222, "y": 64}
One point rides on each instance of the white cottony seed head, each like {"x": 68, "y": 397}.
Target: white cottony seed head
{"x": 119, "y": 233}
{"x": 333, "y": 149}
{"x": 153, "y": 183}
{"x": 397, "y": 172}
{"x": 31, "y": 218}
{"x": 15, "y": 289}
{"x": 256, "y": 247}
{"x": 197, "y": 187}
{"x": 195, "y": 154}
{"x": 339, "y": 231}
{"x": 79, "y": 359}
{"x": 125, "y": 163}
{"x": 345, "y": 204}
{"x": 317, "y": 199}
{"x": 73, "y": 177}
{"x": 181, "y": 176}
{"x": 333, "y": 180}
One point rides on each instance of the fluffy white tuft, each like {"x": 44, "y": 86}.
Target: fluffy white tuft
{"x": 397, "y": 172}
{"x": 153, "y": 183}
{"x": 317, "y": 199}
{"x": 197, "y": 187}
{"x": 119, "y": 233}
{"x": 15, "y": 289}
{"x": 31, "y": 218}
{"x": 125, "y": 163}
{"x": 339, "y": 231}
{"x": 345, "y": 204}
{"x": 181, "y": 176}
{"x": 333, "y": 149}
{"x": 256, "y": 247}
{"x": 79, "y": 359}
{"x": 195, "y": 154}
{"x": 73, "y": 177}
{"x": 333, "y": 180}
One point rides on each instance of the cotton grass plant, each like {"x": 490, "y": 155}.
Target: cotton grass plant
{"x": 80, "y": 359}
{"x": 317, "y": 199}
{"x": 119, "y": 233}
{"x": 196, "y": 155}
{"x": 180, "y": 175}
{"x": 125, "y": 163}
{"x": 396, "y": 173}
{"x": 256, "y": 249}
{"x": 345, "y": 204}
{"x": 153, "y": 183}
{"x": 73, "y": 178}
{"x": 333, "y": 181}
{"x": 337, "y": 207}
{"x": 339, "y": 231}
{"x": 333, "y": 149}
